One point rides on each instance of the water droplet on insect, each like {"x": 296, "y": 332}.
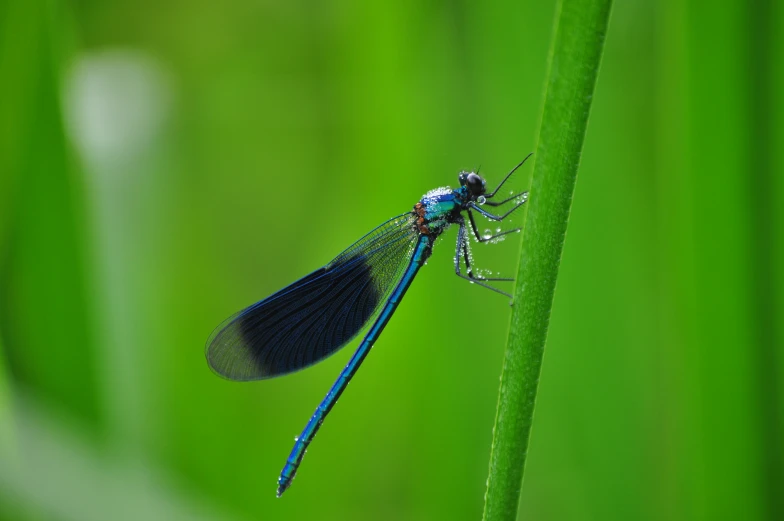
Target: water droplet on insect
{"x": 481, "y": 199}
{"x": 487, "y": 234}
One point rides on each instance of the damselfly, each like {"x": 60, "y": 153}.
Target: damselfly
{"x": 312, "y": 318}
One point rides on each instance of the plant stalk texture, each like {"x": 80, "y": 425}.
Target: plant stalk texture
{"x": 573, "y": 67}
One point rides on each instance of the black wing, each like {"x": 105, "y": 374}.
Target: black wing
{"x": 312, "y": 318}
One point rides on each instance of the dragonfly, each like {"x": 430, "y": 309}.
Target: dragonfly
{"x": 315, "y": 316}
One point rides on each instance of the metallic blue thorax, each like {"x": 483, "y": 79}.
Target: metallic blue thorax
{"x": 438, "y": 209}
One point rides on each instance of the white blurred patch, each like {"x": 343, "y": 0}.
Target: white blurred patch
{"x": 58, "y": 471}
{"x": 116, "y": 103}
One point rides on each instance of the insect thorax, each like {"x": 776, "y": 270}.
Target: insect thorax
{"x": 435, "y": 212}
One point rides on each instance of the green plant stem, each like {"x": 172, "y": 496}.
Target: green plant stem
{"x": 573, "y": 68}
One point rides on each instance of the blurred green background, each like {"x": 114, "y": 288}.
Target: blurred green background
{"x": 163, "y": 165}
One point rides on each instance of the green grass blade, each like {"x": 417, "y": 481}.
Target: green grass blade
{"x": 6, "y": 424}
{"x": 573, "y": 68}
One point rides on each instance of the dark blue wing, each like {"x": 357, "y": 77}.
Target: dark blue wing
{"x": 312, "y": 318}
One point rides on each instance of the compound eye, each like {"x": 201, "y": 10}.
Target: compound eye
{"x": 475, "y": 183}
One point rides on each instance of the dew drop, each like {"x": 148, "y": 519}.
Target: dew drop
{"x": 481, "y": 199}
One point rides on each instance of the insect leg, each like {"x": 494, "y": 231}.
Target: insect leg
{"x": 494, "y": 217}
{"x": 491, "y": 194}
{"x": 462, "y": 251}
{"x": 485, "y": 239}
